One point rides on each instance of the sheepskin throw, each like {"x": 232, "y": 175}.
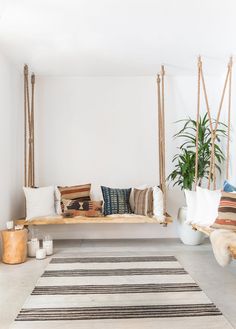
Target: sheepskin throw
{"x": 221, "y": 240}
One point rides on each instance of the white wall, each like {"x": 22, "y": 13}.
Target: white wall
{"x": 98, "y": 130}
{"x": 104, "y": 131}
{"x": 11, "y": 138}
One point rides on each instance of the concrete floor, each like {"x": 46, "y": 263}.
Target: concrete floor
{"x": 17, "y": 281}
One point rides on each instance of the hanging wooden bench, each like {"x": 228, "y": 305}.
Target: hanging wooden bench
{"x": 208, "y": 231}
{"x": 29, "y": 159}
{"x": 213, "y": 128}
{"x": 60, "y": 220}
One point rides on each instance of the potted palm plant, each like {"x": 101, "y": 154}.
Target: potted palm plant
{"x": 183, "y": 174}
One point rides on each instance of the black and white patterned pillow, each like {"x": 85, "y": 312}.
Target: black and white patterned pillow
{"x": 116, "y": 201}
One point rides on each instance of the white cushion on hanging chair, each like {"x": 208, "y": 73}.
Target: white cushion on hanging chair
{"x": 158, "y": 203}
{"x": 202, "y": 206}
{"x": 191, "y": 200}
{"x": 58, "y": 201}
{"x": 207, "y": 206}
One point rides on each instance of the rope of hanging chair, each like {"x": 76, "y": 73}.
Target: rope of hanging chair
{"x": 201, "y": 80}
{"x": 229, "y": 119}
{"x": 218, "y": 119}
{"x": 29, "y": 135}
{"x": 213, "y": 130}
{"x": 29, "y": 172}
{"x": 32, "y": 128}
{"x": 159, "y": 127}
{"x": 25, "y": 125}
{"x": 197, "y": 120}
{"x": 209, "y": 117}
{"x": 161, "y": 133}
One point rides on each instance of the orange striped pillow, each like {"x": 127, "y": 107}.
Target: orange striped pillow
{"x": 77, "y": 192}
{"x": 227, "y": 211}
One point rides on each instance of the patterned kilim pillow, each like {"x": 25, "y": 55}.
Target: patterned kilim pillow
{"x": 77, "y": 192}
{"x": 116, "y": 201}
{"x": 84, "y": 208}
{"x": 143, "y": 202}
{"x": 227, "y": 211}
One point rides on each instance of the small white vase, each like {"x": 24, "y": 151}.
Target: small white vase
{"x": 186, "y": 234}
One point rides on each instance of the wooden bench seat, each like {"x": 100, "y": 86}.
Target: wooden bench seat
{"x": 208, "y": 231}
{"x": 58, "y": 220}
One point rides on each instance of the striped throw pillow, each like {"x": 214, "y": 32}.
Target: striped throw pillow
{"x": 116, "y": 201}
{"x": 143, "y": 202}
{"x": 77, "y": 192}
{"x": 227, "y": 211}
{"x": 84, "y": 208}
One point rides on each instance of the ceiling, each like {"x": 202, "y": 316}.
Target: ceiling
{"x": 118, "y": 37}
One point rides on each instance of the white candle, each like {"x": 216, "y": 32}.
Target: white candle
{"x": 32, "y": 246}
{"x": 48, "y": 245}
{"x": 40, "y": 254}
{"x": 10, "y": 224}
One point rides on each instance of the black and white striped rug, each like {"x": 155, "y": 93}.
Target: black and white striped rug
{"x": 118, "y": 292}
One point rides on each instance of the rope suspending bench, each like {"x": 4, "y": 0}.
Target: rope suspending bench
{"x": 60, "y": 220}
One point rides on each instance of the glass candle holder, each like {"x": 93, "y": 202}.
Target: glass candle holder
{"x": 10, "y": 225}
{"x": 48, "y": 245}
{"x": 41, "y": 253}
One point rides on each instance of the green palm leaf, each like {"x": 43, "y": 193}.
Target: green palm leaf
{"x": 184, "y": 162}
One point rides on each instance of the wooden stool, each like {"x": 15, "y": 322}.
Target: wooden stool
{"x": 14, "y": 246}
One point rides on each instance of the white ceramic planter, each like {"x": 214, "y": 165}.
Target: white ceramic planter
{"x": 186, "y": 233}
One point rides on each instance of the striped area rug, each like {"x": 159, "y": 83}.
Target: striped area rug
{"x": 118, "y": 292}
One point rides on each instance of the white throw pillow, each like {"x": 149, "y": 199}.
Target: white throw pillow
{"x": 158, "y": 203}
{"x": 207, "y": 206}
{"x": 58, "y": 201}
{"x": 39, "y": 201}
{"x": 202, "y": 206}
{"x": 191, "y": 200}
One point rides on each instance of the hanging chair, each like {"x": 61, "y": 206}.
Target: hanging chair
{"x": 29, "y": 162}
{"x": 213, "y": 128}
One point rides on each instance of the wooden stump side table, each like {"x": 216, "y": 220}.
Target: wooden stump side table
{"x": 14, "y": 246}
